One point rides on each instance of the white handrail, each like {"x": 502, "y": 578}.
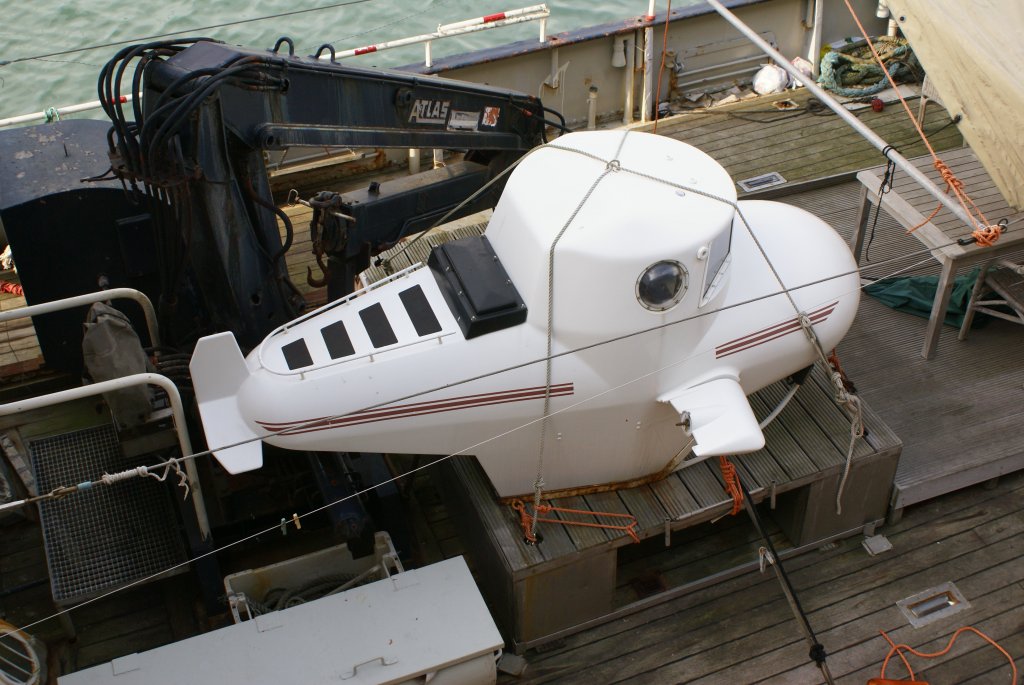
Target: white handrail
{"x": 51, "y": 114}
{"x": 177, "y": 411}
{"x": 90, "y": 298}
{"x": 483, "y": 23}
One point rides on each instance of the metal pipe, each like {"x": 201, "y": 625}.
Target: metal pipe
{"x": 755, "y": 59}
{"x": 90, "y": 298}
{"x": 414, "y": 161}
{"x": 177, "y": 411}
{"x": 629, "y": 77}
{"x": 646, "y": 104}
{"x": 592, "y": 108}
{"x": 717, "y": 77}
{"x": 847, "y": 116}
{"x": 816, "y": 29}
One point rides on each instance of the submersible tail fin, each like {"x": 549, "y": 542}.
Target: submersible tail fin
{"x": 218, "y": 371}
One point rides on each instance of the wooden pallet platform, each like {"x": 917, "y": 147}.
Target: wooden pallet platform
{"x": 741, "y": 630}
{"x": 568, "y": 581}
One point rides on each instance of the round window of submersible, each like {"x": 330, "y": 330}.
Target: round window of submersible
{"x": 661, "y": 285}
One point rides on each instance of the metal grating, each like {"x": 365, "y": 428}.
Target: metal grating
{"x": 106, "y": 537}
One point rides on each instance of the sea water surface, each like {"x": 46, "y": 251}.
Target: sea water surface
{"x": 35, "y": 28}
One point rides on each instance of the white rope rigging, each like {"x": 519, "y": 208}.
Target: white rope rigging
{"x": 538, "y": 483}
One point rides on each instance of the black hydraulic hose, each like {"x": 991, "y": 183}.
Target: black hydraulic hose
{"x": 280, "y": 213}
{"x": 561, "y": 118}
{"x": 194, "y": 99}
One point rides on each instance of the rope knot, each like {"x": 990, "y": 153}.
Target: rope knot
{"x": 987, "y": 235}
{"x": 948, "y": 176}
{"x": 51, "y": 114}
{"x": 614, "y": 165}
{"x": 731, "y": 479}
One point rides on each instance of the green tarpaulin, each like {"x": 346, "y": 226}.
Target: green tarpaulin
{"x": 915, "y": 294}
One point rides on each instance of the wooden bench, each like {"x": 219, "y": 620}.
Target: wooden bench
{"x": 910, "y": 205}
{"x": 1006, "y": 281}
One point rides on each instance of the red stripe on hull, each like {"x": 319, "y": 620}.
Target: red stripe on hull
{"x": 415, "y": 409}
{"x": 778, "y": 330}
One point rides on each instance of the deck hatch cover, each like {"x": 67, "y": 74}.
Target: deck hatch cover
{"x": 296, "y": 354}
{"x": 933, "y": 604}
{"x": 772, "y": 178}
{"x": 418, "y": 308}
{"x": 476, "y": 286}
{"x": 336, "y": 339}
{"x": 101, "y": 538}
{"x": 377, "y": 326}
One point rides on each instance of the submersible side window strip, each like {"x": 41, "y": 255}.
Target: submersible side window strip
{"x": 377, "y": 326}
{"x": 336, "y": 339}
{"x": 419, "y": 310}
{"x": 296, "y": 354}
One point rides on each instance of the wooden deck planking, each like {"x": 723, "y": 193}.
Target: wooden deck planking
{"x": 800, "y": 148}
{"x": 972, "y": 538}
{"x": 958, "y": 415}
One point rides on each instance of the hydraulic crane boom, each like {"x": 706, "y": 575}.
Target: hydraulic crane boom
{"x": 192, "y": 151}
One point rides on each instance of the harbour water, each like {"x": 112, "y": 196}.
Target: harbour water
{"x": 33, "y": 29}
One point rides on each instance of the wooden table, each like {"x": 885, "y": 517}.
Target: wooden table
{"x": 909, "y": 204}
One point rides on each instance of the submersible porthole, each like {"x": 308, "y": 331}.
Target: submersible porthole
{"x": 662, "y": 285}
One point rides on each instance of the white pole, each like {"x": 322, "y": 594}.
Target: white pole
{"x": 47, "y": 114}
{"x": 815, "y": 47}
{"x": 536, "y": 13}
{"x": 646, "y": 104}
{"x": 846, "y": 115}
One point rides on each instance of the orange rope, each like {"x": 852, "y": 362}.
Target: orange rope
{"x": 984, "y": 233}
{"x": 896, "y": 649}
{"x": 732, "y": 483}
{"x": 526, "y": 520}
{"x": 11, "y": 287}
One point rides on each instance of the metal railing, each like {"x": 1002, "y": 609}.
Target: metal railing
{"x": 163, "y": 382}
{"x": 177, "y": 412}
{"x": 89, "y": 298}
{"x": 483, "y": 23}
